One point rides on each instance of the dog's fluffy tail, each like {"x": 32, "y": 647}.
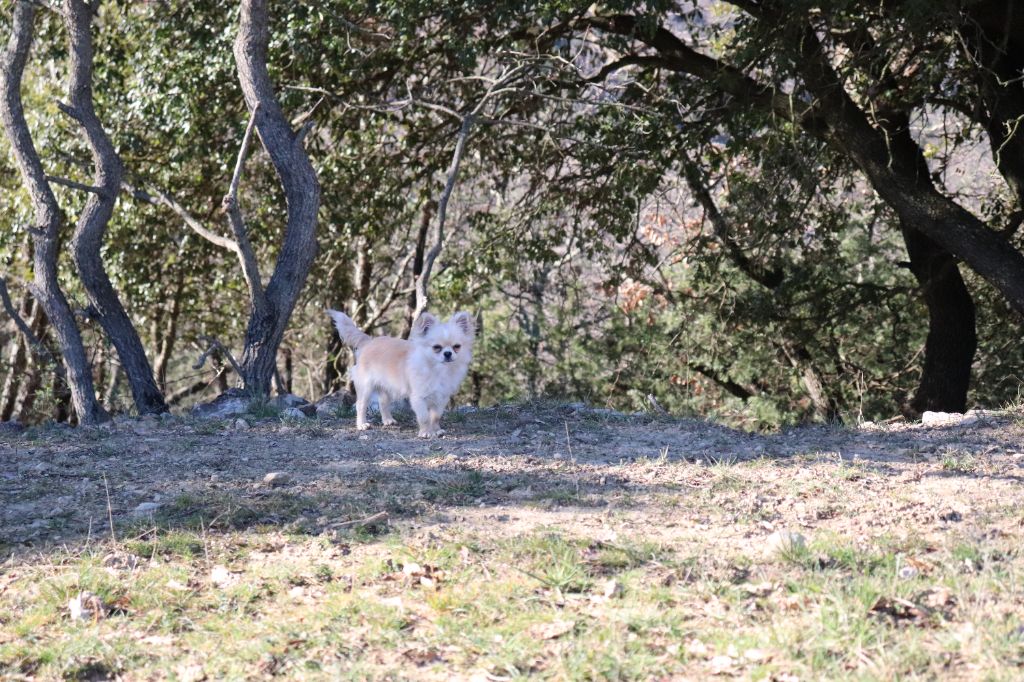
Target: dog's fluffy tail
{"x": 353, "y": 336}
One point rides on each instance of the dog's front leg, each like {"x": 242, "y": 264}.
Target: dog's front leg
{"x": 435, "y": 420}
{"x": 424, "y": 417}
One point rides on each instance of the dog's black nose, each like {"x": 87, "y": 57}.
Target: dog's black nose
{"x": 447, "y": 355}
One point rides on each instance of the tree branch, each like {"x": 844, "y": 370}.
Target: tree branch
{"x": 442, "y": 208}
{"x": 246, "y": 255}
{"x": 161, "y": 198}
{"x": 215, "y": 345}
{"x": 19, "y": 321}
{"x": 71, "y": 184}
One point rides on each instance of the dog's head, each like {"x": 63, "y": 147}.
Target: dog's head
{"x": 444, "y": 342}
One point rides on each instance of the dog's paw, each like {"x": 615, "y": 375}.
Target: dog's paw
{"x": 362, "y": 427}
{"x": 389, "y": 422}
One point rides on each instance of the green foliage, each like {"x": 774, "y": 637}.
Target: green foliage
{"x": 573, "y": 230}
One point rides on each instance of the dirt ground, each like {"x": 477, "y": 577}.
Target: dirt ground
{"x": 506, "y": 468}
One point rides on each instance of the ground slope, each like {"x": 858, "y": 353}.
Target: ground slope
{"x": 537, "y": 540}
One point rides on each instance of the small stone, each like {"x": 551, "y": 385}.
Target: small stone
{"x": 521, "y": 493}
{"x": 612, "y": 589}
{"x": 784, "y": 542}
{"x": 231, "y": 403}
{"x": 241, "y": 425}
{"x": 293, "y": 413}
{"x": 908, "y": 572}
{"x": 146, "y": 508}
{"x": 86, "y": 606}
{"x": 191, "y": 673}
{"x": 276, "y": 479}
{"x": 333, "y": 404}
{"x": 222, "y": 577}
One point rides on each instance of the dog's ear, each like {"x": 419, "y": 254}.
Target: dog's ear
{"x": 424, "y": 323}
{"x": 464, "y": 321}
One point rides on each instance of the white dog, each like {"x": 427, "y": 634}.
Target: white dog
{"x": 427, "y": 369}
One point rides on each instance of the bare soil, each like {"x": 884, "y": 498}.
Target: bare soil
{"x": 507, "y": 469}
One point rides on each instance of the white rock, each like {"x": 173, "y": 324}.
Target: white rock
{"x": 275, "y": 479}
{"x": 85, "y": 606}
{"x": 947, "y": 419}
{"x": 293, "y": 413}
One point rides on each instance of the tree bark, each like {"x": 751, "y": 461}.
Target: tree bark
{"x": 302, "y": 194}
{"x": 48, "y": 219}
{"x": 16, "y": 366}
{"x": 420, "y": 252}
{"x": 99, "y": 207}
{"x": 952, "y": 336}
{"x": 952, "y": 339}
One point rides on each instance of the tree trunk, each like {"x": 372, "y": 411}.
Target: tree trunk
{"x": 99, "y": 207}
{"x": 26, "y": 396}
{"x": 48, "y": 218}
{"x": 18, "y": 363}
{"x": 952, "y": 336}
{"x": 952, "y": 339}
{"x": 15, "y": 372}
{"x": 426, "y": 215}
{"x": 898, "y": 179}
{"x": 302, "y": 194}
{"x": 170, "y": 334}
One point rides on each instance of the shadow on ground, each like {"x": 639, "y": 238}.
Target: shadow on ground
{"x": 64, "y": 487}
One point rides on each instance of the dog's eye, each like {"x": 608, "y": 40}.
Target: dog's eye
{"x": 456, "y": 347}
{"x": 437, "y": 349}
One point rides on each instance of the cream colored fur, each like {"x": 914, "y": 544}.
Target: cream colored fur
{"x": 427, "y": 369}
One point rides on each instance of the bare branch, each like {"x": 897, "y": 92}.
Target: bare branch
{"x": 19, "y": 321}
{"x": 64, "y": 182}
{"x": 246, "y": 255}
{"x": 442, "y": 209}
{"x": 160, "y": 198}
{"x": 215, "y": 345}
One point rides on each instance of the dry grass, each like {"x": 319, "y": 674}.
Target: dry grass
{"x": 508, "y": 557}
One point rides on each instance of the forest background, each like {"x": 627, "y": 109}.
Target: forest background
{"x": 762, "y": 212}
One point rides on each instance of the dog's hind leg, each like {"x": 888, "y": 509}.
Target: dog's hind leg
{"x": 384, "y": 402}
{"x": 362, "y": 401}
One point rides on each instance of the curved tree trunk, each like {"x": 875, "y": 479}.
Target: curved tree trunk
{"x": 45, "y": 233}
{"x": 302, "y": 194}
{"x": 952, "y": 338}
{"x": 99, "y": 207}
